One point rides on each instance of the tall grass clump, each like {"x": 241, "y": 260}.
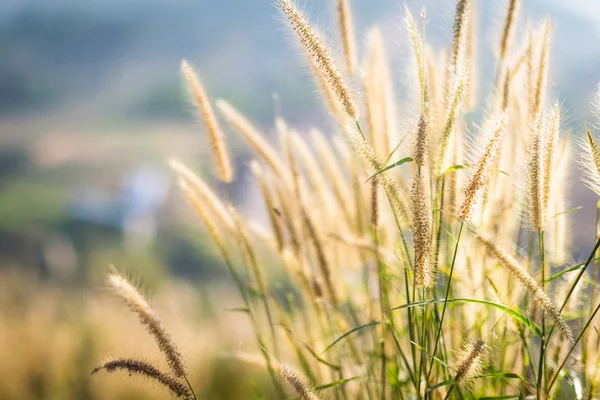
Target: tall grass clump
{"x": 423, "y": 251}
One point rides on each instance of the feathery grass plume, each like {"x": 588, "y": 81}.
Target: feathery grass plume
{"x": 530, "y": 72}
{"x": 421, "y": 141}
{"x": 361, "y": 147}
{"x": 509, "y": 24}
{"x": 201, "y": 188}
{"x": 560, "y": 235}
{"x": 424, "y": 275}
{"x": 296, "y": 383}
{"x": 331, "y": 99}
{"x": 375, "y": 202}
{"x": 470, "y": 363}
{"x": 202, "y": 211}
{"x": 417, "y": 46}
{"x": 347, "y": 34}
{"x": 316, "y": 49}
{"x": 536, "y": 175}
{"x": 550, "y": 153}
{"x": 481, "y": 171}
{"x": 321, "y": 255}
{"x": 542, "y": 70}
{"x": 589, "y": 162}
{"x": 453, "y": 113}
{"x": 269, "y": 203}
{"x": 212, "y": 126}
{"x": 333, "y": 171}
{"x": 379, "y": 94}
{"x": 471, "y": 56}
{"x": 136, "y": 303}
{"x": 558, "y": 204}
{"x": 314, "y": 172}
{"x": 251, "y": 254}
{"x": 540, "y": 298}
{"x": 460, "y": 26}
{"x": 254, "y": 138}
{"x": 143, "y": 368}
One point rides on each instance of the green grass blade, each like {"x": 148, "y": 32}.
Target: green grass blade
{"x": 358, "y": 328}
{"x": 336, "y": 383}
{"x": 396, "y": 164}
{"x": 322, "y": 361}
{"x": 439, "y": 385}
{"x": 567, "y": 270}
{"x": 515, "y": 314}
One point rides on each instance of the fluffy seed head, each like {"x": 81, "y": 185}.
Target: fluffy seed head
{"x": 550, "y": 154}
{"x": 461, "y": 78}
{"x": 143, "y": 368}
{"x": 421, "y": 141}
{"x": 470, "y": 362}
{"x": 424, "y": 277}
{"x": 542, "y": 71}
{"x": 208, "y": 117}
{"x": 509, "y": 23}
{"x": 540, "y": 298}
{"x": 536, "y": 175}
{"x": 296, "y": 383}
{"x": 417, "y": 46}
{"x": 347, "y": 34}
{"x": 201, "y": 188}
{"x": 136, "y": 303}
{"x": 254, "y": 138}
{"x": 461, "y": 20}
{"x": 481, "y": 171}
{"x": 316, "y": 49}
{"x": 590, "y": 161}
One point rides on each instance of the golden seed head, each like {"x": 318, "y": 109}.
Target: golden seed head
{"x": 296, "y": 383}
{"x": 471, "y": 361}
{"x": 144, "y": 368}
{"x": 481, "y": 171}
{"x": 421, "y": 141}
{"x": 424, "y": 274}
{"x": 536, "y": 174}
{"x": 540, "y": 298}
{"x": 590, "y": 161}
{"x": 347, "y": 34}
{"x": 205, "y": 110}
{"x": 136, "y": 303}
{"x": 316, "y": 49}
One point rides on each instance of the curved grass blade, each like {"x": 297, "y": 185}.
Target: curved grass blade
{"x": 439, "y": 385}
{"x": 456, "y": 168}
{"x": 515, "y": 314}
{"x": 567, "y": 270}
{"x": 501, "y": 375}
{"x": 396, "y": 164}
{"x": 336, "y": 383}
{"x": 358, "y": 328}
{"x": 322, "y": 361}
{"x": 421, "y": 349}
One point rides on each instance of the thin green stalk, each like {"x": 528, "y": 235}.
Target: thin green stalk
{"x": 437, "y": 338}
{"x": 562, "y": 364}
{"x": 438, "y": 232}
{"x": 572, "y": 288}
{"x": 541, "y": 374}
